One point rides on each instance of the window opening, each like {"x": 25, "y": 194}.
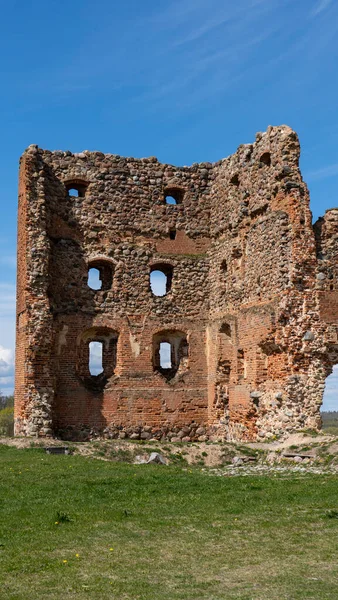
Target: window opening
{"x": 77, "y": 190}
{"x": 165, "y": 355}
{"x": 172, "y": 234}
{"x": 170, "y": 200}
{"x": 226, "y": 329}
{"x": 94, "y": 279}
{"x": 235, "y": 180}
{"x": 224, "y": 267}
{"x": 95, "y": 358}
{"x": 158, "y": 283}
{"x": 173, "y": 196}
{"x": 236, "y": 252}
{"x": 266, "y": 159}
{"x": 100, "y": 275}
{"x": 161, "y": 279}
{"x": 170, "y": 353}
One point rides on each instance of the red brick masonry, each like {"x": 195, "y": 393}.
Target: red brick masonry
{"x": 251, "y": 308}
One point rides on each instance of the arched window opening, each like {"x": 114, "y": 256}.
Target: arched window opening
{"x": 94, "y": 279}
{"x": 95, "y": 358}
{"x": 100, "y": 275}
{"x": 329, "y": 408}
{"x": 170, "y": 353}
{"x": 235, "y": 180}
{"x": 224, "y": 267}
{"x": 266, "y": 159}
{"x": 226, "y": 329}
{"x": 161, "y": 279}
{"x": 76, "y": 189}
{"x": 172, "y": 234}
{"x": 173, "y": 196}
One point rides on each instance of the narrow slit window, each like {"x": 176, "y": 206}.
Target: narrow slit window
{"x": 172, "y": 234}
{"x": 95, "y": 358}
{"x": 224, "y": 267}
{"x": 165, "y": 355}
{"x": 94, "y": 279}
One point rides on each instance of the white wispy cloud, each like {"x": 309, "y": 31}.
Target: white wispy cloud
{"x": 6, "y": 370}
{"x": 323, "y": 173}
{"x": 7, "y": 329}
{"x": 189, "y": 70}
{"x": 320, "y": 6}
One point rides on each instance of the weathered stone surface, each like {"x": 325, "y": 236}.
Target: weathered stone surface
{"x": 250, "y": 308}
{"x": 157, "y": 458}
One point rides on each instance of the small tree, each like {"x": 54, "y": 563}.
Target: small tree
{"x": 6, "y": 415}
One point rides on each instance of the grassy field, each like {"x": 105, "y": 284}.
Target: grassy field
{"x": 76, "y": 527}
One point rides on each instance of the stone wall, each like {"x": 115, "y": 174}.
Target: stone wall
{"x": 247, "y": 309}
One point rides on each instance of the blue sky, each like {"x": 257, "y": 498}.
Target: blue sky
{"x": 185, "y": 80}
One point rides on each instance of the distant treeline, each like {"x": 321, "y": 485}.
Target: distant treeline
{"x": 329, "y": 414}
{"x": 330, "y": 421}
{"x": 6, "y": 401}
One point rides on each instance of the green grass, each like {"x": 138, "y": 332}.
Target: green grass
{"x": 149, "y": 532}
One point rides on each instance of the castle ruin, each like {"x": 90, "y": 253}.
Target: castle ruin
{"x": 249, "y": 313}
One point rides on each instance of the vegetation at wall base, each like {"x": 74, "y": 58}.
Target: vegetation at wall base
{"x": 80, "y": 527}
{"x": 6, "y": 415}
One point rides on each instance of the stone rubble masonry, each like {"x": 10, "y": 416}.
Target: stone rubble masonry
{"x": 251, "y": 313}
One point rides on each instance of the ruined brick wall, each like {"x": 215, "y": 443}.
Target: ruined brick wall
{"x": 243, "y": 310}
